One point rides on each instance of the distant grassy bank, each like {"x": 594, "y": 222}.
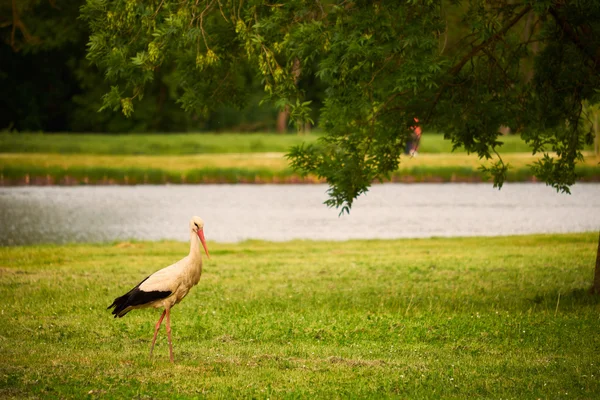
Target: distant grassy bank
{"x": 149, "y": 144}
{"x": 186, "y": 144}
{"x": 55, "y": 169}
{"x": 506, "y": 317}
{"x": 43, "y": 159}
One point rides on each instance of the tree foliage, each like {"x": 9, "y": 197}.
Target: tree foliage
{"x": 461, "y": 67}
{"x": 49, "y": 85}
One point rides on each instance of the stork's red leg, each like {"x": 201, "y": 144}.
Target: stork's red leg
{"x": 156, "y": 328}
{"x": 168, "y": 311}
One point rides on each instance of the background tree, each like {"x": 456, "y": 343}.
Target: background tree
{"x": 463, "y": 68}
{"x": 49, "y": 85}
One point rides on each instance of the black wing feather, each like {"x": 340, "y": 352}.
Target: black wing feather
{"x": 136, "y": 297}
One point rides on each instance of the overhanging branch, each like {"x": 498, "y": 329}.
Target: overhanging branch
{"x": 456, "y": 69}
{"x": 480, "y": 47}
{"x": 574, "y": 37}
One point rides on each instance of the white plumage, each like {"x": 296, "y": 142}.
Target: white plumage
{"x": 168, "y": 286}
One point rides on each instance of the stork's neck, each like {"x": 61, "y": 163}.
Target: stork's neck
{"x": 195, "y": 246}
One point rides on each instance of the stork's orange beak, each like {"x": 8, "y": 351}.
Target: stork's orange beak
{"x": 201, "y": 236}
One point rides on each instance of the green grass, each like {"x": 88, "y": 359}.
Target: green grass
{"x": 506, "y": 317}
{"x": 179, "y": 144}
{"x": 150, "y": 144}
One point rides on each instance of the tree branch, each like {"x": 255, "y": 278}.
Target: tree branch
{"x": 596, "y": 287}
{"x": 458, "y": 67}
{"x": 18, "y": 23}
{"x": 574, "y": 37}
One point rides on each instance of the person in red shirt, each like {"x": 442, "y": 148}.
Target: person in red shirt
{"x": 413, "y": 143}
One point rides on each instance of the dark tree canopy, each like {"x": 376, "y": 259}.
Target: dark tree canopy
{"x": 49, "y": 85}
{"x": 464, "y": 68}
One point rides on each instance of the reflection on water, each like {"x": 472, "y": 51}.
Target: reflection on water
{"x": 283, "y": 212}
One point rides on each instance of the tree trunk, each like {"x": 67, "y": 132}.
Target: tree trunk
{"x": 597, "y": 132}
{"x": 283, "y": 116}
{"x": 282, "y": 120}
{"x": 530, "y": 29}
{"x": 160, "y": 103}
{"x": 307, "y": 128}
{"x": 596, "y": 287}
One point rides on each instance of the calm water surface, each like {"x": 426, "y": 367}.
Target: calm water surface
{"x": 282, "y": 212}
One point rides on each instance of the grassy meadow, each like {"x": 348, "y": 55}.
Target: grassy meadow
{"x": 189, "y": 143}
{"x": 502, "y": 317}
{"x": 149, "y": 144}
{"x": 224, "y": 158}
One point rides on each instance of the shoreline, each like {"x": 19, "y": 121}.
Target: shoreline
{"x": 68, "y": 182}
{"x": 252, "y": 168}
{"x": 166, "y": 178}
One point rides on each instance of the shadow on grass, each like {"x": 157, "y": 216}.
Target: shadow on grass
{"x": 573, "y": 298}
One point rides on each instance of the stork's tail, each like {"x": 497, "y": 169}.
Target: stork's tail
{"x": 135, "y": 298}
{"x": 120, "y": 304}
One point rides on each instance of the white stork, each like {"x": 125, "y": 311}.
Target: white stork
{"x": 168, "y": 286}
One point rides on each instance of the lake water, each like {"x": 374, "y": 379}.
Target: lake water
{"x": 234, "y": 213}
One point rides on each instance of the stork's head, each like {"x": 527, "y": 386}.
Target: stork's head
{"x": 197, "y": 226}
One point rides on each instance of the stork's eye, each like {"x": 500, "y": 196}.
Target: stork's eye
{"x": 196, "y": 225}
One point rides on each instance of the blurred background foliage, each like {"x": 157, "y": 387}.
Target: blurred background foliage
{"x": 49, "y": 85}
